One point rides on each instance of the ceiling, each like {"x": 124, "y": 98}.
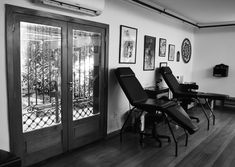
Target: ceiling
{"x": 199, "y": 12}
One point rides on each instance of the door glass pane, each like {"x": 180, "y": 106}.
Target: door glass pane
{"x": 40, "y": 51}
{"x": 86, "y": 53}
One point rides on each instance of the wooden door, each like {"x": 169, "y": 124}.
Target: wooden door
{"x": 37, "y": 92}
{"x": 57, "y": 83}
{"x": 87, "y": 84}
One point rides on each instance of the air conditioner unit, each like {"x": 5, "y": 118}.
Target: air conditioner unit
{"x": 89, "y": 7}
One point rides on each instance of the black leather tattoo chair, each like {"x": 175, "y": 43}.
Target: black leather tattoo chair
{"x": 140, "y": 100}
{"x": 187, "y": 93}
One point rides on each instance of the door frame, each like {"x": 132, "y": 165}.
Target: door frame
{"x": 15, "y": 132}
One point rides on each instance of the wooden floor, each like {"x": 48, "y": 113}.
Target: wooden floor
{"x": 213, "y": 148}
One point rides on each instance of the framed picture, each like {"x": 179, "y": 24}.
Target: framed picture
{"x": 171, "y": 52}
{"x": 163, "y": 64}
{"x": 128, "y": 42}
{"x": 149, "y": 53}
{"x": 162, "y": 47}
{"x": 178, "y": 56}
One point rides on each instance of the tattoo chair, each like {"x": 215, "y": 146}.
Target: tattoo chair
{"x": 187, "y": 93}
{"x": 139, "y": 99}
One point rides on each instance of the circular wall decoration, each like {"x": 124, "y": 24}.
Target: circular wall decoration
{"x": 186, "y": 50}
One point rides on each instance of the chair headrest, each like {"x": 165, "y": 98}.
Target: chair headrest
{"x": 125, "y": 72}
{"x": 165, "y": 70}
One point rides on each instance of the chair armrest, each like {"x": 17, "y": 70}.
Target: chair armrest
{"x": 188, "y": 87}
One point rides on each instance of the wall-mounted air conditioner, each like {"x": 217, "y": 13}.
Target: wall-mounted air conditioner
{"x": 89, "y": 7}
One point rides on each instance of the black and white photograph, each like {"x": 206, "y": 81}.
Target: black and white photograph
{"x": 171, "y": 52}
{"x": 149, "y": 53}
{"x": 162, "y": 47}
{"x": 128, "y": 43}
{"x": 117, "y": 83}
{"x": 178, "y": 56}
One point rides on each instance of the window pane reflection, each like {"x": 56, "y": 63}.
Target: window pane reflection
{"x": 86, "y": 52}
{"x": 40, "y": 75}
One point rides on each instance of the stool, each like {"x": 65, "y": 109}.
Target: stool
{"x": 8, "y": 159}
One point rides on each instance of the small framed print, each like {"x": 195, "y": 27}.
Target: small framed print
{"x": 162, "y": 47}
{"x": 163, "y": 64}
{"x": 128, "y": 43}
{"x": 171, "y": 52}
{"x": 178, "y": 56}
{"x": 149, "y": 53}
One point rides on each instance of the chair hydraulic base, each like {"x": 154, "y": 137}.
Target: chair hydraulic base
{"x": 154, "y": 135}
{"x": 142, "y": 133}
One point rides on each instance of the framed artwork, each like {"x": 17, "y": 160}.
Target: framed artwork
{"x": 163, "y": 64}
{"x": 178, "y": 56}
{"x": 171, "y": 52}
{"x": 149, "y": 53}
{"x": 128, "y": 42}
{"x": 162, "y": 47}
{"x": 186, "y": 50}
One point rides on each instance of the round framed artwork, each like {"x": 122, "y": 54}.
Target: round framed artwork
{"x": 186, "y": 50}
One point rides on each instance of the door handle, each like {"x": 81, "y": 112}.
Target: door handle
{"x": 70, "y": 84}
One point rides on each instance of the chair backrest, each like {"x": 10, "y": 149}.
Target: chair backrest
{"x": 130, "y": 85}
{"x": 170, "y": 79}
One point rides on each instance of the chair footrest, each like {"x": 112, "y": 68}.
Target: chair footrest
{"x": 178, "y": 114}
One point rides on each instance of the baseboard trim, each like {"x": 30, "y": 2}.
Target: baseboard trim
{"x": 113, "y": 134}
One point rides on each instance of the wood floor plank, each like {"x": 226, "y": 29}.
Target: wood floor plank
{"x": 194, "y": 141}
{"x": 206, "y": 152}
{"x": 227, "y": 157}
{"x": 215, "y": 147}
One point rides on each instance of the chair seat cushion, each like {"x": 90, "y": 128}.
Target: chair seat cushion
{"x": 152, "y": 105}
{"x": 171, "y": 108}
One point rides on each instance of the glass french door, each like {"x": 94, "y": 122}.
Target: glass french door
{"x": 56, "y": 86}
{"x": 40, "y": 56}
{"x": 39, "y": 112}
{"x": 85, "y": 82}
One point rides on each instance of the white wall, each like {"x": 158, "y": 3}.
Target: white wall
{"x": 116, "y": 13}
{"x": 214, "y": 46}
{"x": 147, "y": 23}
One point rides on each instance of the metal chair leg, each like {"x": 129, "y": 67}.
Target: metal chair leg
{"x": 155, "y": 136}
{"x": 125, "y": 123}
{"x": 213, "y": 115}
{"x": 141, "y": 138}
{"x": 176, "y": 144}
{"x": 164, "y": 136}
{"x": 186, "y": 139}
{"x": 204, "y": 111}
